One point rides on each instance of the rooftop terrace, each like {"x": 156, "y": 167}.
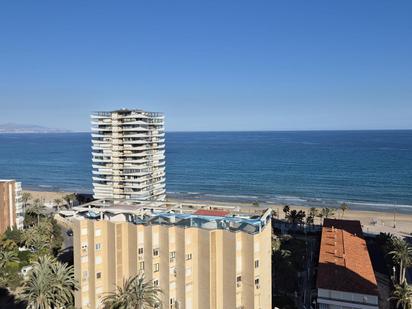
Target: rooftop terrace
{"x": 234, "y": 219}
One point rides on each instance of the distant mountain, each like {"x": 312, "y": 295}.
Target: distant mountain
{"x": 28, "y": 128}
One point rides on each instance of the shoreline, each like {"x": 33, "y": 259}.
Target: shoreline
{"x": 373, "y": 221}
{"x": 304, "y": 202}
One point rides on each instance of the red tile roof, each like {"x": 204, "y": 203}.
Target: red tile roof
{"x": 344, "y": 262}
{"x": 215, "y": 213}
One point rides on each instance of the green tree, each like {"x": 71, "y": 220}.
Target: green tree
{"x": 8, "y": 245}
{"x": 34, "y": 212}
{"x": 7, "y": 257}
{"x": 344, "y": 207}
{"x": 286, "y": 210}
{"x": 135, "y": 293}
{"x": 327, "y": 212}
{"x": 402, "y": 295}
{"x": 44, "y": 238}
{"x": 70, "y": 199}
{"x": 313, "y": 213}
{"x": 295, "y": 217}
{"x": 310, "y": 220}
{"x": 14, "y": 235}
{"x": 8, "y": 268}
{"x": 26, "y": 197}
{"x": 58, "y": 202}
{"x": 402, "y": 256}
{"x": 50, "y": 284}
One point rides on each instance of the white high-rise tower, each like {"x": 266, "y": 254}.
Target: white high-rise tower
{"x": 128, "y": 155}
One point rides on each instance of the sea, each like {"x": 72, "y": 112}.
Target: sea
{"x": 369, "y": 170}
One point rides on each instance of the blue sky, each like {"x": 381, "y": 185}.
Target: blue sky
{"x": 209, "y": 65}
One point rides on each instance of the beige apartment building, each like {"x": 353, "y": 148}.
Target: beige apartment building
{"x": 11, "y": 205}
{"x": 201, "y": 258}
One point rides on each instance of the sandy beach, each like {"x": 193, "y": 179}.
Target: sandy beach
{"x": 47, "y": 197}
{"x": 372, "y": 221}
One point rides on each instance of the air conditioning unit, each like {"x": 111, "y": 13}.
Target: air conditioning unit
{"x": 140, "y": 257}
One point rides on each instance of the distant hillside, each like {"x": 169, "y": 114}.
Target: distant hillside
{"x": 28, "y": 128}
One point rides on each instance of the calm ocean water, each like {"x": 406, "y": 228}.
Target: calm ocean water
{"x": 369, "y": 169}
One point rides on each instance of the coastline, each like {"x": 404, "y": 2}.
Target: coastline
{"x": 373, "y": 221}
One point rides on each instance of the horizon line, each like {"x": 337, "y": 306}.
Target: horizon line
{"x": 228, "y": 131}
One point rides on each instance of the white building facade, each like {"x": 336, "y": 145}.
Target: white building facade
{"x": 128, "y": 149}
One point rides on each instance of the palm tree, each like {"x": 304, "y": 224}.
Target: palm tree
{"x": 343, "y": 207}
{"x": 327, "y": 212}
{"x": 39, "y": 237}
{"x": 7, "y": 257}
{"x": 402, "y": 294}
{"x": 58, "y": 202}
{"x": 26, "y": 197}
{"x": 69, "y": 199}
{"x": 50, "y": 284}
{"x": 295, "y": 217}
{"x": 309, "y": 220}
{"x": 402, "y": 256}
{"x": 37, "y": 209}
{"x": 286, "y": 210}
{"x": 135, "y": 293}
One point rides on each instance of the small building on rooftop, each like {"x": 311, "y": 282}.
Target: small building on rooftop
{"x": 345, "y": 277}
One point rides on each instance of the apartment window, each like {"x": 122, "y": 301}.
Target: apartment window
{"x": 257, "y": 264}
{"x": 172, "y": 254}
{"x": 141, "y": 265}
{"x": 155, "y": 252}
{"x": 98, "y": 232}
{"x": 156, "y": 282}
{"x": 188, "y": 256}
{"x": 98, "y": 246}
{"x": 84, "y": 232}
{"x": 98, "y": 275}
{"x": 257, "y": 283}
{"x": 156, "y": 267}
{"x": 189, "y": 271}
{"x": 239, "y": 279}
{"x": 84, "y": 259}
{"x": 140, "y": 251}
